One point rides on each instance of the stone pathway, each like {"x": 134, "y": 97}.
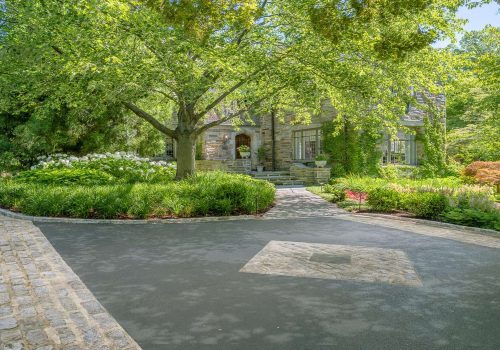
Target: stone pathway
{"x": 43, "y": 303}
{"x": 297, "y": 202}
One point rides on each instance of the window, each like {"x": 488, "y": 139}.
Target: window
{"x": 400, "y": 151}
{"x": 306, "y": 144}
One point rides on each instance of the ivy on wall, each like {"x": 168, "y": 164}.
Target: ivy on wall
{"x": 433, "y": 140}
{"x": 351, "y": 151}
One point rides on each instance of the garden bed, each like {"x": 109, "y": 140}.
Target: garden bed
{"x": 440, "y": 199}
{"x": 127, "y": 187}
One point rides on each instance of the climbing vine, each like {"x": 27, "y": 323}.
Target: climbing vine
{"x": 351, "y": 151}
{"x": 433, "y": 139}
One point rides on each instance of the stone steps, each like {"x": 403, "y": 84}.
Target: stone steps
{"x": 278, "y": 178}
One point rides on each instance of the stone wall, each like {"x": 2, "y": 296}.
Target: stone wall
{"x": 311, "y": 176}
{"x": 219, "y": 143}
{"x": 228, "y": 165}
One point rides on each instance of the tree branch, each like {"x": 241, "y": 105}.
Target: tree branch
{"x": 166, "y": 95}
{"x": 150, "y": 119}
{"x": 249, "y": 78}
{"x": 238, "y": 113}
{"x": 246, "y": 30}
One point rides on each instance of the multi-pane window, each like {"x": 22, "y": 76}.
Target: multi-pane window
{"x": 306, "y": 144}
{"x": 400, "y": 151}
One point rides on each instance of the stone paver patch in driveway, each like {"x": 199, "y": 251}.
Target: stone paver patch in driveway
{"x": 43, "y": 303}
{"x": 331, "y": 261}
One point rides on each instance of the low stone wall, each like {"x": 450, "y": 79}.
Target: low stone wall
{"x": 234, "y": 165}
{"x": 311, "y": 176}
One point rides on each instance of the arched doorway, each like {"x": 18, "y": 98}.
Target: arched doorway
{"x": 240, "y": 140}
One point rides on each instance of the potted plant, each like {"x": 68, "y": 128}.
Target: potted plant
{"x": 244, "y": 151}
{"x": 261, "y": 156}
{"x": 320, "y": 160}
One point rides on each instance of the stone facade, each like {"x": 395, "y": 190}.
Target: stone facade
{"x": 218, "y": 144}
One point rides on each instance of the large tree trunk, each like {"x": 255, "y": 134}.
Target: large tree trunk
{"x": 186, "y": 150}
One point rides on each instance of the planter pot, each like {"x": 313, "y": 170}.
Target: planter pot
{"x": 245, "y": 154}
{"x": 320, "y": 163}
{"x": 260, "y": 168}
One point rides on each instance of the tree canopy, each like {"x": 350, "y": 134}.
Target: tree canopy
{"x": 474, "y": 97}
{"x": 176, "y": 63}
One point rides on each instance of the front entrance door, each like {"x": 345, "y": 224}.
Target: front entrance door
{"x": 241, "y": 139}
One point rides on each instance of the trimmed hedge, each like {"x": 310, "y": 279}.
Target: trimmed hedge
{"x": 473, "y": 217}
{"x": 428, "y": 205}
{"x": 205, "y": 194}
{"x": 384, "y": 199}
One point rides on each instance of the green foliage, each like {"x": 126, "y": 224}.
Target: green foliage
{"x": 428, "y": 205}
{"x": 121, "y": 166}
{"x": 321, "y": 157}
{"x": 433, "y": 140}
{"x": 329, "y": 193}
{"x": 475, "y": 143}
{"x": 351, "y": 150}
{"x": 473, "y": 217}
{"x": 336, "y": 193}
{"x": 369, "y": 183}
{"x": 65, "y": 177}
{"x": 473, "y": 98}
{"x": 384, "y": 199}
{"x": 244, "y": 148}
{"x": 206, "y": 58}
{"x": 9, "y": 162}
{"x": 448, "y": 199}
{"x": 204, "y": 194}
{"x": 353, "y": 205}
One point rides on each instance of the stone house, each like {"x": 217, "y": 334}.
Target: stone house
{"x": 288, "y": 145}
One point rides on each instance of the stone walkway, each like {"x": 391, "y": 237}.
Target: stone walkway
{"x": 297, "y": 202}
{"x": 43, "y": 303}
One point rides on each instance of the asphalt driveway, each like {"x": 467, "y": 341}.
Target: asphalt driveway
{"x": 178, "y": 286}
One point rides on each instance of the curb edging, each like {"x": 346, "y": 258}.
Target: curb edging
{"x": 484, "y": 231}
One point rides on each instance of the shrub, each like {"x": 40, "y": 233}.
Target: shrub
{"x": 8, "y": 162}
{"x": 384, "y": 199}
{"x": 473, "y": 217}
{"x": 388, "y": 172}
{"x": 123, "y": 166}
{"x": 336, "y": 194}
{"x": 65, "y": 176}
{"x": 485, "y": 173}
{"x": 337, "y": 170}
{"x": 425, "y": 204}
{"x": 321, "y": 157}
{"x": 473, "y": 197}
{"x": 205, "y": 194}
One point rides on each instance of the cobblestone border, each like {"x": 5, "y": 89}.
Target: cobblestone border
{"x": 43, "y": 304}
{"x": 423, "y": 227}
{"x": 45, "y": 219}
{"x": 418, "y": 221}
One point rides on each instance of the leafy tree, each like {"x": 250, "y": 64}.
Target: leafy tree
{"x": 212, "y": 61}
{"x": 474, "y": 98}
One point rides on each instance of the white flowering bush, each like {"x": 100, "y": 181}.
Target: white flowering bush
{"x": 121, "y": 166}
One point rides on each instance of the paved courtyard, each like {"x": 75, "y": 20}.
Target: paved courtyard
{"x": 305, "y": 276}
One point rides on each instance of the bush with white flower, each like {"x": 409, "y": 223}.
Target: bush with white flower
{"x": 121, "y": 166}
